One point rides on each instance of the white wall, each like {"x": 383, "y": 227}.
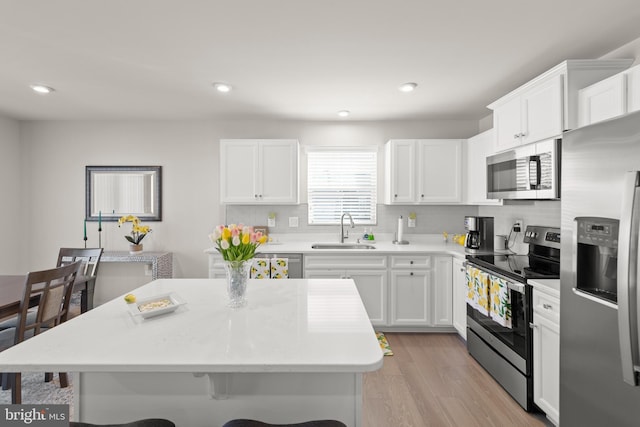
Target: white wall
{"x": 14, "y": 232}
{"x": 57, "y": 152}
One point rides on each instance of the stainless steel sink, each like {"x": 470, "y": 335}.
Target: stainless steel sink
{"x": 341, "y": 246}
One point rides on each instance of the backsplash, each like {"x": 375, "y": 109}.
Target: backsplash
{"x": 432, "y": 219}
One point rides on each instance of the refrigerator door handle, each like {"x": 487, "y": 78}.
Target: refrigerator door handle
{"x": 627, "y": 278}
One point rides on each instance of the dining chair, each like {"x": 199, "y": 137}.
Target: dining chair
{"x": 149, "y": 422}
{"x": 52, "y": 288}
{"x": 90, "y": 258}
{"x": 254, "y": 423}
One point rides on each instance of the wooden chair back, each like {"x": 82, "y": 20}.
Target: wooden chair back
{"x": 53, "y": 287}
{"x": 90, "y": 258}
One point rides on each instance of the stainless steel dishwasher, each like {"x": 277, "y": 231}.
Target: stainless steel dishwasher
{"x": 295, "y": 262}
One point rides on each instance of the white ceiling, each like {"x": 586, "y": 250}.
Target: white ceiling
{"x": 290, "y": 59}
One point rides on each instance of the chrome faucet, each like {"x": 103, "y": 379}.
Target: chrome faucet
{"x": 342, "y": 236}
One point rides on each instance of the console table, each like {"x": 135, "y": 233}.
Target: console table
{"x": 161, "y": 262}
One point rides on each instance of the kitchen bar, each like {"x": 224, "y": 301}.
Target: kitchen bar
{"x": 296, "y": 352}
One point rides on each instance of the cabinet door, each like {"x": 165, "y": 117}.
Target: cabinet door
{"x": 542, "y": 111}
{"x": 603, "y": 100}
{"x": 443, "y": 291}
{"x": 439, "y": 171}
{"x": 546, "y": 366}
{"x": 459, "y": 297}
{"x": 401, "y": 172}
{"x": 507, "y": 125}
{"x": 239, "y": 168}
{"x": 633, "y": 89}
{"x": 324, "y": 274}
{"x": 410, "y": 298}
{"x": 478, "y": 148}
{"x": 372, "y": 287}
{"x": 278, "y": 172}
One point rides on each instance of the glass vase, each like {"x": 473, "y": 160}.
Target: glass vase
{"x": 237, "y": 276}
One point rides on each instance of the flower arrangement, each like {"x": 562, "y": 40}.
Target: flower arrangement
{"x": 138, "y": 231}
{"x": 237, "y": 242}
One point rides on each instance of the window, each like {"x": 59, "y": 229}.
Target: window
{"x": 342, "y": 180}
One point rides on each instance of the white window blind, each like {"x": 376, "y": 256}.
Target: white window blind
{"x": 339, "y": 181}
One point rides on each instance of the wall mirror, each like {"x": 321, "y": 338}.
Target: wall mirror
{"x": 114, "y": 191}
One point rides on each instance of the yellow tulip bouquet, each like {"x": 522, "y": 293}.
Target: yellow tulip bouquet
{"x": 237, "y": 242}
{"x": 138, "y": 231}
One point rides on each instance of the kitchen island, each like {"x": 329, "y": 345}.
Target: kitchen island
{"x": 296, "y": 352}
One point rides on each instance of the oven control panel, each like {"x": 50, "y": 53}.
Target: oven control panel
{"x": 544, "y": 236}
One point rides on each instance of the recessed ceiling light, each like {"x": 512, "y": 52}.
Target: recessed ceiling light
{"x": 42, "y": 89}
{"x": 222, "y": 87}
{"x": 344, "y": 113}
{"x": 407, "y": 87}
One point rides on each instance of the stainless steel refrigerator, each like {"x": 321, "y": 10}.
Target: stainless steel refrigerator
{"x": 599, "y": 322}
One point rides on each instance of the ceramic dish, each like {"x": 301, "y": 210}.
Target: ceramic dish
{"x": 155, "y": 305}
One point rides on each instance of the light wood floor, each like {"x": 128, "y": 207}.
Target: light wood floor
{"x": 431, "y": 380}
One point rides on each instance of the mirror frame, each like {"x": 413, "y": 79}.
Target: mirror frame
{"x": 89, "y": 170}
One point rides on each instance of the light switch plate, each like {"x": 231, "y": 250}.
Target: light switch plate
{"x": 293, "y": 221}
{"x": 411, "y": 223}
{"x": 271, "y": 222}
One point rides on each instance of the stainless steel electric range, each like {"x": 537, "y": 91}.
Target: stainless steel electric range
{"x": 506, "y": 352}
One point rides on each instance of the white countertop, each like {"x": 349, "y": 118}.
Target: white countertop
{"x": 417, "y": 243}
{"x": 550, "y": 286}
{"x": 296, "y": 325}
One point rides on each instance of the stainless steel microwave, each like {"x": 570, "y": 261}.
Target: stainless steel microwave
{"x": 528, "y": 172}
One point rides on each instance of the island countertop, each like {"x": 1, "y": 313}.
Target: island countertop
{"x": 299, "y": 325}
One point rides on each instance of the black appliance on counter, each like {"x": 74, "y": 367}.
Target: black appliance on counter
{"x": 507, "y": 352}
{"x": 479, "y": 233}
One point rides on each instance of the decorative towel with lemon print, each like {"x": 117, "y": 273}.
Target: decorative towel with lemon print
{"x": 260, "y": 268}
{"x": 489, "y": 295}
{"x": 273, "y": 268}
{"x": 478, "y": 289}
{"x": 500, "y": 302}
{"x": 279, "y": 268}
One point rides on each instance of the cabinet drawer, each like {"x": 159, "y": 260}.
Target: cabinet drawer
{"x": 411, "y": 261}
{"x": 345, "y": 262}
{"x": 546, "y": 306}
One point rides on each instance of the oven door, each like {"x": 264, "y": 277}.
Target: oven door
{"x": 515, "y": 341}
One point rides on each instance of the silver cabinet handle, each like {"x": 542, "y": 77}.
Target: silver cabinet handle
{"x": 532, "y": 325}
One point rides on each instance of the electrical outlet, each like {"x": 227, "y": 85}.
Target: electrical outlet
{"x": 293, "y": 221}
{"x": 518, "y": 226}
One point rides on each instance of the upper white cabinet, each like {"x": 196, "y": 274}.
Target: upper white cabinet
{"x": 478, "y": 148}
{"x": 259, "y": 171}
{"x": 611, "y": 97}
{"x": 548, "y": 105}
{"x": 423, "y": 171}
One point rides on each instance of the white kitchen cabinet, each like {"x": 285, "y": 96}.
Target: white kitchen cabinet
{"x": 442, "y": 291}
{"x": 531, "y": 116}
{"x": 479, "y": 147}
{"x": 459, "y": 297}
{"x": 614, "y": 96}
{"x": 411, "y": 297}
{"x": 369, "y": 272}
{"x": 259, "y": 171}
{"x": 423, "y": 171}
{"x": 603, "y": 100}
{"x": 547, "y": 105}
{"x": 546, "y": 351}
{"x": 411, "y": 290}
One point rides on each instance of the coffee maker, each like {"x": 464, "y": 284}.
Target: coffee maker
{"x": 479, "y": 237}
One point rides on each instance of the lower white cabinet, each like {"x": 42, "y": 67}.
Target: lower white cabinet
{"x": 546, "y": 352}
{"x": 404, "y": 291}
{"x": 368, "y": 272}
{"x": 411, "y": 297}
{"x": 459, "y": 297}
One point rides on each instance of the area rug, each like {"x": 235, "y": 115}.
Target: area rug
{"x": 35, "y": 390}
{"x": 384, "y": 344}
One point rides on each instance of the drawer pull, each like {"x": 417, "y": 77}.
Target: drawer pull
{"x": 410, "y": 262}
{"x": 411, "y": 274}
{"x": 547, "y": 306}
{"x": 532, "y": 325}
